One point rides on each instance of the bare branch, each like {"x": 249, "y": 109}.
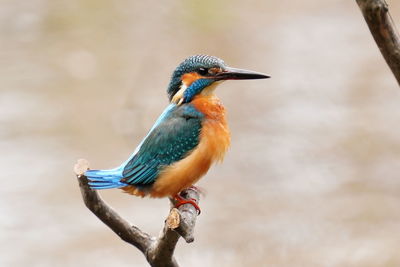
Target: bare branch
{"x": 179, "y": 223}
{"x": 162, "y": 251}
{"x": 187, "y": 213}
{"x": 158, "y": 251}
{"x": 380, "y": 23}
{"x": 107, "y": 215}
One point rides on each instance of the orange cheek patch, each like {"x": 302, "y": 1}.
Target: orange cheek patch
{"x": 214, "y": 70}
{"x": 189, "y": 78}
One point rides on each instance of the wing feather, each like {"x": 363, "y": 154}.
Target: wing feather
{"x": 170, "y": 141}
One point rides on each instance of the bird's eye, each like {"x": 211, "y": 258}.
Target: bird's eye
{"x": 203, "y": 71}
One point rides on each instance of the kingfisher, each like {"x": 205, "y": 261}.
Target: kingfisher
{"x": 189, "y": 136}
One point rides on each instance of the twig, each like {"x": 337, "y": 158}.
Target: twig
{"x": 380, "y": 23}
{"x": 158, "y": 251}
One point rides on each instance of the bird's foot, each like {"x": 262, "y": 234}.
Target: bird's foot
{"x": 179, "y": 201}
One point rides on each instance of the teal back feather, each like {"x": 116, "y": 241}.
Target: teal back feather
{"x": 174, "y": 137}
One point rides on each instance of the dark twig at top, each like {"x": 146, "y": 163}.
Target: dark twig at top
{"x": 380, "y": 23}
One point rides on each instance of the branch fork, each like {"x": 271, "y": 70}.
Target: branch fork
{"x": 159, "y": 251}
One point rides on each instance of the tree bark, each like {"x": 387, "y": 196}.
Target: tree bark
{"x": 159, "y": 251}
{"x": 380, "y": 23}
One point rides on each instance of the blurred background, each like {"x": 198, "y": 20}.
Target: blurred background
{"x": 311, "y": 179}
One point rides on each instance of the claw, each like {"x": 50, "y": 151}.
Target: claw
{"x": 181, "y": 201}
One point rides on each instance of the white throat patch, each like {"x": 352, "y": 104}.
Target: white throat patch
{"x": 209, "y": 90}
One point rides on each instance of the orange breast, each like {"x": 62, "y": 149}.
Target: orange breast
{"x": 214, "y": 141}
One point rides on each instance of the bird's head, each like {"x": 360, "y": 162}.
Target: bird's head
{"x": 200, "y": 74}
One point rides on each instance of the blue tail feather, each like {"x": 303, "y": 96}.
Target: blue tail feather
{"x": 105, "y": 179}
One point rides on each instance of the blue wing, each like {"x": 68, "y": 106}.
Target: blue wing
{"x": 174, "y": 134}
{"x": 169, "y": 142}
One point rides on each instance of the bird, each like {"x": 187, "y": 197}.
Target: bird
{"x": 189, "y": 136}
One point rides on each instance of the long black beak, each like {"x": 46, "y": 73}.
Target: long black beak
{"x": 239, "y": 74}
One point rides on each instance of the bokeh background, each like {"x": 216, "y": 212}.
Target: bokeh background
{"x": 311, "y": 179}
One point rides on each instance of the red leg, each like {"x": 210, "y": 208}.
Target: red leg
{"x": 181, "y": 201}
